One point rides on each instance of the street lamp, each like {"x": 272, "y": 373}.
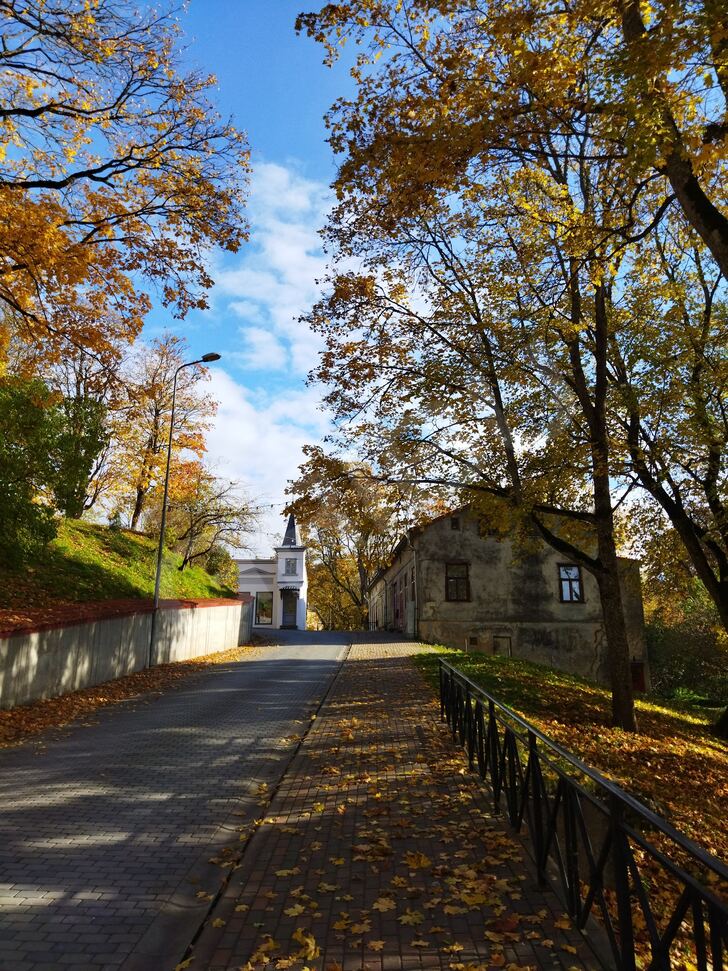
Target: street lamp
{"x": 205, "y": 359}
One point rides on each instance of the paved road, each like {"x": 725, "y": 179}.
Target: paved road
{"x": 106, "y": 834}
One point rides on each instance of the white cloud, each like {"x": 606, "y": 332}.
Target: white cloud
{"x": 258, "y": 440}
{"x": 260, "y": 349}
{"x": 273, "y": 280}
{"x": 248, "y": 310}
{"x": 266, "y": 412}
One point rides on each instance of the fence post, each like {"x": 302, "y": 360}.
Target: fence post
{"x": 441, "y": 673}
{"x": 469, "y": 727}
{"x": 620, "y": 860}
{"x": 538, "y": 808}
{"x": 493, "y": 754}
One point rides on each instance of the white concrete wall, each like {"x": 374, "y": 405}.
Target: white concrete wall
{"x": 52, "y": 662}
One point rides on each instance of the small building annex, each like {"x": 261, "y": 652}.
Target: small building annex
{"x": 447, "y": 583}
{"x": 278, "y": 584}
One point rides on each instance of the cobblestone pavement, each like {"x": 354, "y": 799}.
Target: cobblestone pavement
{"x": 107, "y": 833}
{"x": 379, "y": 851}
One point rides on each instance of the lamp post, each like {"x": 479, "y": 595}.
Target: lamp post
{"x": 205, "y": 359}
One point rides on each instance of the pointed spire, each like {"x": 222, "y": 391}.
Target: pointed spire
{"x": 291, "y": 537}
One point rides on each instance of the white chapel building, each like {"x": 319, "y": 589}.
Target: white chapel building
{"x": 279, "y": 584}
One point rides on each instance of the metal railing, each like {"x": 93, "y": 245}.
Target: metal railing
{"x": 589, "y": 839}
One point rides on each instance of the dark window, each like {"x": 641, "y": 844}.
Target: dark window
{"x": 457, "y": 586}
{"x": 454, "y": 523}
{"x": 570, "y": 586}
{"x": 264, "y": 607}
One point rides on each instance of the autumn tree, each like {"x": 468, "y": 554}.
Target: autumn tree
{"x": 446, "y": 89}
{"x": 330, "y": 600}
{"x": 206, "y": 513}
{"x": 116, "y": 172}
{"x": 350, "y": 522}
{"x": 671, "y": 380}
{"x": 142, "y": 421}
{"x": 29, "y": 430}
{"x": 498, "y": 404}
{"x": 509, "y": 117}
{"x": 86, "y": 387}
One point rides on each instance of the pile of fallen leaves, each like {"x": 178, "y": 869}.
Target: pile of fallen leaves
{"x": 378, "y": 847}
{"x": 19, "y": 724}
{"x": 675, "y": 766}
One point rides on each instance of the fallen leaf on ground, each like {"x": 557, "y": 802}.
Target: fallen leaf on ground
{"x": 383, "y": 904}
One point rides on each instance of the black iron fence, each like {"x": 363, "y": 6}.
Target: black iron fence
{"x": 661, "y": 899}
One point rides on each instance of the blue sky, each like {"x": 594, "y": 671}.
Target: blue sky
{"x": 277, "y": 89}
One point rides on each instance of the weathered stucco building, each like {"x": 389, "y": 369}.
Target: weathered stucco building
{"x": 279, "y": 584}
{"x": 449, "y": 584}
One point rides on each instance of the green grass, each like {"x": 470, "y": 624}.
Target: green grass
{"x": 89, "y": 562}
{"x": 675, "y": 763}
{"x": 533, "y": 689}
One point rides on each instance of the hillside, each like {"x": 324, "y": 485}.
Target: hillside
{"x": 87, "y": 562}
{"x": 575, "y": 713}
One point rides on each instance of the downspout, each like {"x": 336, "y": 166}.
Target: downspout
{"x": 417, "y": 585}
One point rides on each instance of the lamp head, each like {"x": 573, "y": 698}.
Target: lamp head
{"x": 210, "y": 357}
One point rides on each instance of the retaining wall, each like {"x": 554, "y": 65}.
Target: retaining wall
{"x": 55, "y": 659}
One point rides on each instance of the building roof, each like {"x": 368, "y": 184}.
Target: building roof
{"x": 257, "y": 571}
{"x": 291, "y": 537}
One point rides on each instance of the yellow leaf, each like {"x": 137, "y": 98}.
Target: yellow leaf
{"x": 309, "y": 948}
{"x": 218, "y": 922}
{"x": 454, "y": 909}
{"x": 416, "y": 860}
{"x": 411, "y": 917}
{"x": 383, "y": 903}
{"x": 375, "y": 945}
{"x": 295, "y": 910}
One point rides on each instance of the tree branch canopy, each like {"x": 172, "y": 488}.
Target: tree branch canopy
{"x": 115, "y": 171}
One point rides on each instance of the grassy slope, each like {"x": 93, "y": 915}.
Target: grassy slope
{"x": 675, "y": 764}
{"x": 89, "y": 562}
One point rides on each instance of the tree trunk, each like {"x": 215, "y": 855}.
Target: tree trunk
{"x": 721, "y": 726}
{"x": 620, "y": 673}
{"x": 138, "y": 507}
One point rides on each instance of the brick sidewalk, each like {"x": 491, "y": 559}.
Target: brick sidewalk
{"x": 379, "y": 851}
